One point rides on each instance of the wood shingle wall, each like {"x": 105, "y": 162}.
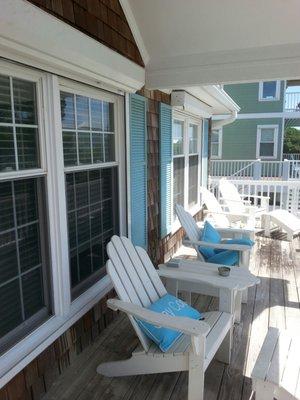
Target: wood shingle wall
{"x": 37, "y": 377}
{"x": 160, "y": 249}
{"x": 103, "y": 20}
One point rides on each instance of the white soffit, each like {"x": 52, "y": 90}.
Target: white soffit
{"x": 203, "y": 42}
{"x": 32, "y": 36}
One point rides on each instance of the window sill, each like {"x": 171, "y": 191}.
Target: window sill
{"x": 18, "y": 356}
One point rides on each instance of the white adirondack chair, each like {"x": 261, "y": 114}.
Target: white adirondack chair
{"x": 193, "y": 232}
{"x": 226, "y": 219}
{"x": 138, "y": 285}
{"x": 237, "y": 205}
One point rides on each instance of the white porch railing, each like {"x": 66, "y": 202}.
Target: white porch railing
{"x": 283, "y": 195}
{"x": 292, "y": 101}
{"x": 291, "y": 156}
{"x": 256, "y": 169}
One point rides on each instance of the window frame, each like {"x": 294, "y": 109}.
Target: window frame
{"x": 187, "y": 119}
{"x": 65, "y": 312}
{"x": 220, "y": 142}
{"x": 258, "y": 141}
{"x": 261, "y": 91}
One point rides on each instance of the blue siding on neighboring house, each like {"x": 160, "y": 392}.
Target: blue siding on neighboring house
{"x": 165, "y": 140}
{"x": 204, "y": 161}
{"x": 138, "y": 170}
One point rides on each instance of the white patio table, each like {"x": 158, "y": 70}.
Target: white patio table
{"x": 204, "y": 278}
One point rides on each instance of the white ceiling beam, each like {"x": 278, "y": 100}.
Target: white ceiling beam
{"x": 246, "y": 65}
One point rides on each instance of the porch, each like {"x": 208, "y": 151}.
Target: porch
{"x": 275, "y": 302}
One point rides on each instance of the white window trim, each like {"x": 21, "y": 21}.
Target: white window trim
{"x": 65, "y": 312}
{"x": 258, "y": 141}
{"x": 260, "y": 92}
{"x": 220, "y": 144}
{"x": 187, "y": 119}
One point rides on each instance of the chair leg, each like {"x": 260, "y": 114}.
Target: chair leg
{"x": 224, "y": 353}
{"x": 196, "y": 378}
{"x": 172, "y": 287}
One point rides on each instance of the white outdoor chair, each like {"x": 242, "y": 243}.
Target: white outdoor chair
{"x": 138, "y": 285}
{"x": 226, "y": 219}
{"x": 193, "y": 232}
{"x": 237, "y": 205}
{"x": 283, "y": 220}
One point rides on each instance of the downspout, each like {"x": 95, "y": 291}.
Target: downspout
{"x": 222, "y": 122}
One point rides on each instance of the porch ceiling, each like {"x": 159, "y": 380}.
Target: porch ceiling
{"x": 198, "y": 42}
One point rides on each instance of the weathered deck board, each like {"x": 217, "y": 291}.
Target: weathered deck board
{"x": 275, "y": 302}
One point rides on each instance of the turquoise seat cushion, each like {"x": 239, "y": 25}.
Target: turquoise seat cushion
{"x": 165, "y": 338}
{"x": 210, "y": 235}
{"x": 246, "y": 241}
{"x": 227, "y": 257}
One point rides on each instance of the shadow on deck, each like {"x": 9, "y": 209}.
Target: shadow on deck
{"x": 275, "y": 302}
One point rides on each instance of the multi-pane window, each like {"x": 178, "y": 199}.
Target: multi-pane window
{"x": 186, "y": 159}
{"x": 216, "y": 143}
{"x": 267, "y": 141}
{"x": 178, "y": 163}
{"x": 269, "y": 90}
{"x": 88, "y": 130}
{"x": 18, "y": 125}
{"x": 23, "y": 244}
{"x": 92, "y": 193}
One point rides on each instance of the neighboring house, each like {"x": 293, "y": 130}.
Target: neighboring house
{"x": 85, "y": 152}
{"x": 266, "y": 108}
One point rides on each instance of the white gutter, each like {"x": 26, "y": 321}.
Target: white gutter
{"x": 217, "y": 124}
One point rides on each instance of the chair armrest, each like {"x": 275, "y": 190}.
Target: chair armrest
{"x": 187, "y": 274}
{"x": 255, "y": 196}
{"x": 240, "y": 231}
{"x": 220, "y": 246}
{"x": 185, "y": 325}
{"x": 243, "y": 215}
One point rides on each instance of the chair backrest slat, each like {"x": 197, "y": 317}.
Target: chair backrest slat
{"x": 124, "y": 275}
{"x": 188, "y": 223}
{"x": 141, "y": 270}
{"x": 123, "y": 295}
{"x": 214, "y": 207}
{"x": 190, "y": 226}
{"x": 151, "y": 272}
{"x": 231, "y": 196}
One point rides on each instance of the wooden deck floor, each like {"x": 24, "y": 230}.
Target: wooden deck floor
{"x": 275, "y": 302}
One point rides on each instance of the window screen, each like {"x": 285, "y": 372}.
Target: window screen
{"x": 22, "y": 256}
{"x": 269, "y": 90}
{"x": 18, "y": 125}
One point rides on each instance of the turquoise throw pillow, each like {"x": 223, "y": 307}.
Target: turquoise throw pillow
{"x": 210, "y": 235}
{"x": 169, "y": 305}
{"x": 227, "y": 257}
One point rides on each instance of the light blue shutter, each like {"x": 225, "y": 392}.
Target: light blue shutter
{"x": 205, "y": 153}
{"x": 165, "y": 140}
{"x": 138, "y": 170}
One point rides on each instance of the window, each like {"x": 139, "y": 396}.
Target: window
{"x": 92, "y": 192}
{"x": 24, "y": 255}
{"x": 62, "y": 184}
{"x": 267, "y": 136}
{"x": 269, "y": 91}
{"x": 186, "y": 158}
{"x": 216, "y": 143}
{"x": 178, "y": 163}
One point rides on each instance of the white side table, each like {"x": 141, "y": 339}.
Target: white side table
{"x": 200, "y": 277}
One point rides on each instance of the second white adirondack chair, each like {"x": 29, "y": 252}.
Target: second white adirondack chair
{"x": 236, "y": 203}
{"x": 193, "y": 232}
{"x": 138, "y": 285}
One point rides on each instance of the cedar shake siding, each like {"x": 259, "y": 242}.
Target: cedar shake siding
{"x": 159, "y": 249}
{"x": 37, "y": 377}
{"x": 103, "y": 20}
